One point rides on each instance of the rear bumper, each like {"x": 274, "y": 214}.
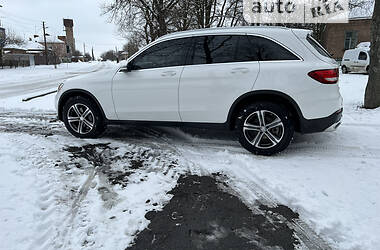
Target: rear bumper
{"x": 321, "y": 124}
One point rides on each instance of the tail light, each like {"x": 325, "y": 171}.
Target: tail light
{"x": 326, "y": 76}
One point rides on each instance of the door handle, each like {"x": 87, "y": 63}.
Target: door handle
{"x": 168, "y": 73}
{"x": 239, "y": 70}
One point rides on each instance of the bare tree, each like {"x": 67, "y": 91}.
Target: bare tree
{"x": 372, "y": 92}
{"x": 77, "y": 53}
{"x": 133, "y": 45}
{"x": 12, "y": 38}
{"x": 150, "y": 19}
{"x": 87, "y": 57}
{"x": 109, "y": 55}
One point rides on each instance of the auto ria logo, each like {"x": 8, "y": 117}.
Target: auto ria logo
{"x": 296, "y": 11}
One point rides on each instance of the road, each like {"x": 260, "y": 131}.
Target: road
{"x": 18, "y": 87}
{"x": 168, "y": 188}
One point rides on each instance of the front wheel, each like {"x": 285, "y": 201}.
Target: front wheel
{"x": 265, "y": 128}
{"x": 83, "y": 118}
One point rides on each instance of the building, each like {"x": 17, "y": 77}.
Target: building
{"x": 62, "y": 46}
{"x": 339, "y": 37}
{"x": 69, "y": 39}
{"x": 57, "y": 47}
{"x": 28, "y": 54}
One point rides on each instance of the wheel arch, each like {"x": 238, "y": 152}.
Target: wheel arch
{"x": 77, "y": 92}
{"x": 265, "y": 95}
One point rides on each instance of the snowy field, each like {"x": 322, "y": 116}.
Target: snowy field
{"x": 59, "y": 192}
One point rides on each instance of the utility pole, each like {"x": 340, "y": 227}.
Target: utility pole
{"x": 117, "y": 55}
{"x": 2, "y": 42}
{"x": 84, "y": 50}
{"x": 92, "y": 52}
{"x": 46, "y": 49}
{"x": 0, "y": 19}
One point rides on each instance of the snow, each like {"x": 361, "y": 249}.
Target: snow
{"x": 28, "y": 45}
{"x": 17, "y": 210}
{"x": 45, "y": 103}
{"x": 45, "y": 72}
{"x": 330, "y": 179}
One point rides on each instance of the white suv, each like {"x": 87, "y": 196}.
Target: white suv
{"x": 263, "y": 82}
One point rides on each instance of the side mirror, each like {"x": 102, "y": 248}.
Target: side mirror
{"x": 127, "y": 68}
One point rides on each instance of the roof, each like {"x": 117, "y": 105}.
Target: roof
{"x": 26, "y": 46}
{"x": 33, "y": 46}
{"x": 241, "y": 29}
{"x": 50, "y": 39}
{"x": 14, "y": 46}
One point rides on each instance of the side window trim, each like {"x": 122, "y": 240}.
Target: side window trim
{"x": 280, "y": 44}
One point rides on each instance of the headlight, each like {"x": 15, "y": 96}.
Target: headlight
{"x": 60, "y": 86}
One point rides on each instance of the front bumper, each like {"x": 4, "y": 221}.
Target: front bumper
{"x": 321, "y": 124}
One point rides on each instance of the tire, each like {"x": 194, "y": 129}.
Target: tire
{"x": 86, "y": 118}
{"x": 260, "y": 139}
{"x": 344, "y": 70}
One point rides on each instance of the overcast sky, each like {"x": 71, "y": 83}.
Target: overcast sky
{"x": 90, "y": 27}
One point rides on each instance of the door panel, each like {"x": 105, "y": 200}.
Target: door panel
{"x": 219, "y": 74}
{"x": 145, "y": 95}
{"x": 208, "y": 91}
{"x": 148, "y": 89}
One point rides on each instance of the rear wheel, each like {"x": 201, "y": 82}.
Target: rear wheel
{"x": 265, "y": 128}
{"x": 344, "y": 69}
{"x": 83, "y": 118}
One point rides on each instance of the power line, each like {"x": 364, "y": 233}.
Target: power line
{"x": 19, "y": 17}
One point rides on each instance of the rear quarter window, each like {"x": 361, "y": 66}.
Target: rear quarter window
{"x": 268, "y": 50}
{"x": 317, "y": 46}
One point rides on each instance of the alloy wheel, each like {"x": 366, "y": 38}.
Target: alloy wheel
{"x": 80, "y": 118}
{"x": 263, "y": 129}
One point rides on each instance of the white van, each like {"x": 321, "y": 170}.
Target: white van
{"x": 356, "y": 60}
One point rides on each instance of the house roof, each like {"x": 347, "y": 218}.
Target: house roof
{"x": 34, "y": 46}
{"x": 28, "y": 46}
{"x": 50, "y": 39}
{"x": 14, "y": 46}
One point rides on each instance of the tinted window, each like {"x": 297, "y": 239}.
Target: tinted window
{"x": 268, "y": 50}
{"x": 317, "y": 46}
{"x": 362, "y": 56}
{"x": 223, "y": 49}
{"x": 246, "y": 50}
{"x": 164, "y": 54}
{"x": 214, "y": 49}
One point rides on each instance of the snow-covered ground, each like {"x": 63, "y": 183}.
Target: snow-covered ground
{"x": 57, "y": 191}
{"x": 21, "y": 81}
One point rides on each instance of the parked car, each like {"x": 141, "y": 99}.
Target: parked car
{"x": 264, "y": 83}
{"x": 356, "y": 60}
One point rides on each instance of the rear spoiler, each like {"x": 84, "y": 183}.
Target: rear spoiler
{"x": 301, "y": 33}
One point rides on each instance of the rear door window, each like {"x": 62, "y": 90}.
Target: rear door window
{"x": 214, "y": 49}
{"x": 246, "y": 52}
